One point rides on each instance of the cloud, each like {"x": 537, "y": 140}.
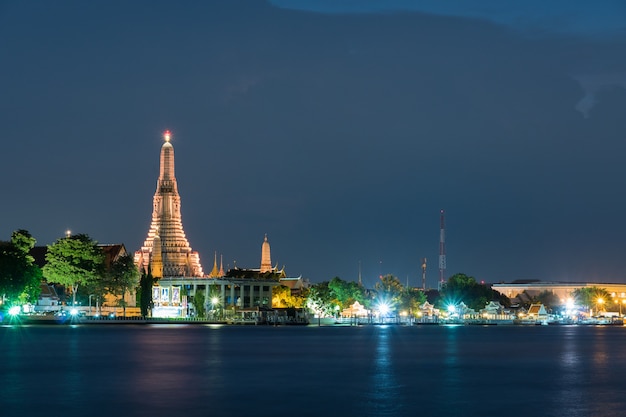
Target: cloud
{"x": 592, "y": 84}
{"x": 530, "y": 16}
{"x": 241, "y": 85}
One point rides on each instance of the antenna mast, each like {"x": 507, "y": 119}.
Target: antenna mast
{"x": 424, "y": 274}
{"x": 442, "y": 249}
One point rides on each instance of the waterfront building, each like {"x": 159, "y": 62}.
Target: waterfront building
{"x": 355, "y": 310}
{"x": 563, "y": 290}
{"x": 537, "y": 311}
{"x": 166, "y": 251}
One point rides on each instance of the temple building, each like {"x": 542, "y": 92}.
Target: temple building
{"x": 166, "y": 251}
{"x": 182, "y": 289}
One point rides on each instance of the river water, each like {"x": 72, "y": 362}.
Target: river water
{"x": 204, "y": 370}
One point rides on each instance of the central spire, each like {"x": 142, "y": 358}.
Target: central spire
{"x": 166, "y": 239}
{"x": 266, "y": 259}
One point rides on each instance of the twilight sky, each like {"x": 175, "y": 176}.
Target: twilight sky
{"x": 340, "y": 128}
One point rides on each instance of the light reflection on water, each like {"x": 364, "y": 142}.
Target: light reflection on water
{"x": 311, "y": 371}
{"x": 384, "y": 398}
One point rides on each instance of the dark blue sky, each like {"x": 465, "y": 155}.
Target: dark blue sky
{"x": 338, "y": 128}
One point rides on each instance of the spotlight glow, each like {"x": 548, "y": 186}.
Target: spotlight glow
{"x": 15, "y": 310}
{"x": 383, "y": 308}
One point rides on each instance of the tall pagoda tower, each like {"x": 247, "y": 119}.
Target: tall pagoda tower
{"x": 266, "y": 259}
{"x": 166, "y": 250}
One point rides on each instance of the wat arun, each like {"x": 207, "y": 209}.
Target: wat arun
{"x": 166, "y": 251}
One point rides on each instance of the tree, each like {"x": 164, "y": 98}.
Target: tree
{"x": 464, "y": 288}
{"x": 24, "y": 241}
{"x": 20, "y": 278}
{"x": 593, "y": 297}
{"x": 145, "y": 292}
{"x": 198, "y": 303}
{"x": 121, "y": 277}
{"x": 73, "y": 261}
{"x": 320, "y": 300}
{"x": 282, "y": 298}
{"x": 389, "y": 290}
{"x": 411, "y": 299}
{"x": 346, "y": 293}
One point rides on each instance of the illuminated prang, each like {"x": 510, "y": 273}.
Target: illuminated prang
{"x": 166, "y": 250}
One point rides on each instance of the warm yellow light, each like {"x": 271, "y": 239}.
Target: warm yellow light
{"x": 167, "y": 135}
{"x": 600, "y": 300}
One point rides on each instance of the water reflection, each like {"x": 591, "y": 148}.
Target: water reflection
{"x": 71, "y": 380}
{"x": 384, "y": 399}
{"x": 166, "y": 361}
{"x": 12, "y": 382}
{"x": 568, "y": 377}
{"x": 451, "y": 377}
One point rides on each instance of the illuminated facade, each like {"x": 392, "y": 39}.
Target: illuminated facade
{"x": 563, "y": 290}
{"x": 166, "y": 250}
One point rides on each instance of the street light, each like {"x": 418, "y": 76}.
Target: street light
{"x": 214, "y": 302}
{"x": 600, "y": 302}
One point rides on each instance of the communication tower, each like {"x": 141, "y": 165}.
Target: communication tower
{"x": 442, "y": 249}
{"x": 424, "y": 274}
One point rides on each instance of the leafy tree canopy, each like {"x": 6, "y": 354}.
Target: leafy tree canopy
{"x": 20, "y": 278}
{"x": 345, "y": 293}
{"x": 593, "y": 297}
{"x": 73, "y": 261}
{"x": 390, "y": 290}
{"x": 145, "y": 292}
{"x": 122, "y": 276}
{"x": 411, "y": 299}
{"x": 282, "y": 298}
{"x": 463, "y": 288}
{"x": 320, "y": 299}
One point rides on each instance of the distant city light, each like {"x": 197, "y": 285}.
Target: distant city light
{"x": 167, "y": 135}
{"x": 15, "y": 310}
{"x": 73, "y": 312}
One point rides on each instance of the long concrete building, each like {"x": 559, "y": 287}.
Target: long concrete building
{"x": 563, "y": 290}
